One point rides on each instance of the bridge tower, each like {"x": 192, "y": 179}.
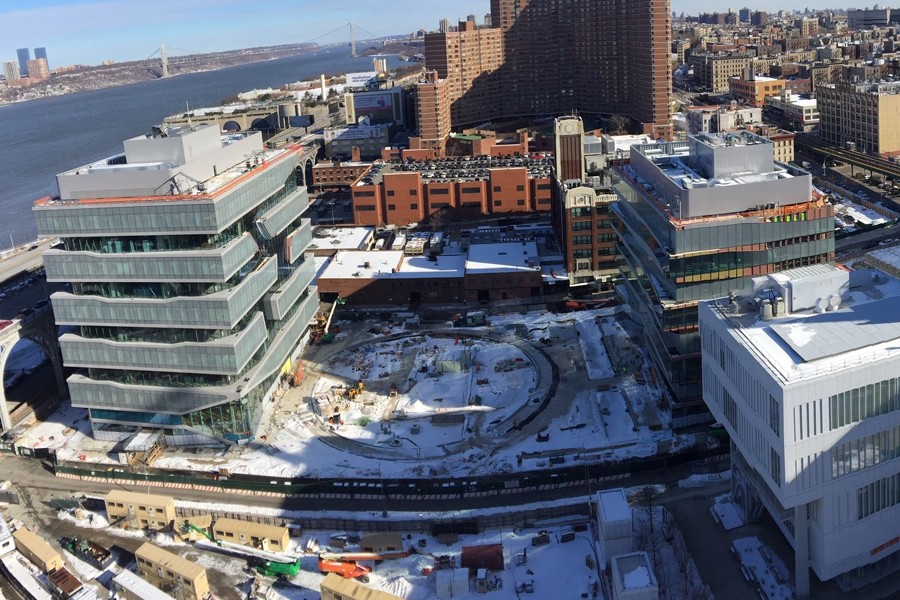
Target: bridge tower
{"x": 352, "y": 42}
{"x": 165, "y": 60}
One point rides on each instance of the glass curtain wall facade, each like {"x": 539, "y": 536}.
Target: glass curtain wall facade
{"x": 185, "y": 307}
{"x": 669, "y": 261}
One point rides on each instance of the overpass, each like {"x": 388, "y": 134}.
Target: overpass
{"x": 40, "y": 328}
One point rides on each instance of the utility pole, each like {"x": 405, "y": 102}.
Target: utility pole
{"x": 352, "y": 42}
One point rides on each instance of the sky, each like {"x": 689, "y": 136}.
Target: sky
{"x": 91, "y": 31}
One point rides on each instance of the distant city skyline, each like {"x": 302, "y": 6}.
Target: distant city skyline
{"x": 91, "y": 31}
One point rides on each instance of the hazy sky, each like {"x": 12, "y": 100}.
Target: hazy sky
{"x": 88, "y": 32}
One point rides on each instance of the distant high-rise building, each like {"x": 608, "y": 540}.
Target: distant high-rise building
{"x": 589, "y": 56}
{"x": 487, "y": 20}
{"x": 24, "y": 55}
{"x": 744, "y": 15}
{"x": 469, "y": 59}
{"x": 41, "y": 53}
{"x": 444, "y": 25}
{"x": 11, "y": 70}
{"x": 38, "y": 69}
{"x": 471, "y": 19}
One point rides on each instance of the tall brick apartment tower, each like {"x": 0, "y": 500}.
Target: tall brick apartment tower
{"x": 589, "y": 56}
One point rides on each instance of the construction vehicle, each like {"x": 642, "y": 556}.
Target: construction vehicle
{"x": 354, "y": 390}
{"x": 393, "y": 390}
{"x": 187, "y": 527}
{"x": 86, "y": 550}
{"x": 287, "y": 570}
{"x": 323, "y": 323}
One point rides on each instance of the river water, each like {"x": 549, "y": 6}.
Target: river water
{"x": 41, "y": 138}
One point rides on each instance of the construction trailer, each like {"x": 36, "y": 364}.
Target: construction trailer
{"x": 129, "y": 586}
{"x": 180, "y": 578}
{"x": 35, "y": 549}
{"x": 381, "y": 542}
{"x": 335, "y": 587}
{"x": 488, "y": 556}
{"x": 270, "y": 538}
{"x": 133, "y": 510}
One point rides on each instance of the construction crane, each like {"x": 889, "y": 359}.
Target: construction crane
{"x": 324, "y": 323}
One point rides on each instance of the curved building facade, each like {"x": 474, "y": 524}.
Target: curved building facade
{"x": 190, "y": 288}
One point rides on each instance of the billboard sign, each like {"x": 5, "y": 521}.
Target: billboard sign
{"x": 372, "y": 103}
{"x": 361, "y": 79}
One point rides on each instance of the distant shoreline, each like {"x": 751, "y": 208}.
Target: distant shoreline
{"x": 127, "y": 73}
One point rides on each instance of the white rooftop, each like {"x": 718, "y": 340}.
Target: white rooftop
{"x": 805, "y": 344}
{"x": 342, "y": 238}
{"x": 384, "y": 264}
{"x": 503, "y": 257}
{"x": 633, "y": 571}
{"x": 134, "y": 584}
{"x": 613, "y": 505}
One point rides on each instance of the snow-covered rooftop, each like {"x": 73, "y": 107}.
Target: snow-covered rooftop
{"x": 864, "y": 328}
{"x": 383, "y": 264}
{"x": 614, "y": 505}
{"x": 342, "y": 238}
{"x": 506, "y": 257}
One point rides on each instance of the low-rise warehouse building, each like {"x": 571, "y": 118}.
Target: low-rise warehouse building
{"x": 508, "y": 271}
{"x": 140, "y": 511}
{"x": 181, "y": 578}
{"x": 247, "y": 533}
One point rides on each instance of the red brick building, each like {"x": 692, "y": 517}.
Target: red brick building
{"x": 400, "y": 193}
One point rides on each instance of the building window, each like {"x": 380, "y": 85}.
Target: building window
{"x": 520, "y": 203}
{"x": 498, "y": 203}
{"x": 497, "y": 188}
{"x": 390, "y": 192}
{"x": 775, "y": 466}
{"x": 392, "y": 207}
{"x": 775, "y": 415}
{"x": 414, "y": 206}
{"x": 413, "y": 192}
{"x": 520, "y": 188}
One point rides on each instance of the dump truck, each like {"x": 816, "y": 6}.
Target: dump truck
{"x": 93, "y": 554}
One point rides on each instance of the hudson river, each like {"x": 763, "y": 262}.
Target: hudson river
{"x": 41, "y": 138}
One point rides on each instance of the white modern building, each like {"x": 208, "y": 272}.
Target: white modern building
{"x": 803, "y": 371}
{"x": 191, "y": 290}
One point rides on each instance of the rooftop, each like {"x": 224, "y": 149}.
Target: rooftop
{"x": 506, "y": 257}
{"x": 633, "y": 571}
{"x": 134, "y": 584}
{"x": 341, "y": 238}
{"x": 844, "y": 328}
{"x": 455, "y": 169}
{"x": 392, "y": 264}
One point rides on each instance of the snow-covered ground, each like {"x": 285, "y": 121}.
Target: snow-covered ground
{"x": 861, "y": 215}
{"x": 317, "y": 431}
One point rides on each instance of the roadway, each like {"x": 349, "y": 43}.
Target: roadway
{"x": 23, "y": 258}
{"x": 810, "y": 142}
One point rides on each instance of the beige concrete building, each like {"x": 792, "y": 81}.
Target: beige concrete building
{"x": 180, "y": 578}
{"x": 712, "y": 71}
{"x": 865, "y": 114}
{"x": 256, "y": 535}
{"x": 754, "y": 89}
{"x": 133, "y": 510}
{"x": 782, "y": 145}
{"x": 37, "y": 550}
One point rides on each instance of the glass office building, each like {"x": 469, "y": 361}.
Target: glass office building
{"x": 698, "y": 218}
{"x": 190, "y": 289}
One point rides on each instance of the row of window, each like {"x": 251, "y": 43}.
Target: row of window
{"x": 865, "y": 452}
{"x": 878, "y": 496}
{"x": 864, "y": 402}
